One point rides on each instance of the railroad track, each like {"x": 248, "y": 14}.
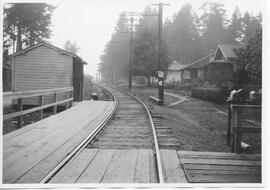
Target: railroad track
{"x": 123, "y": 149}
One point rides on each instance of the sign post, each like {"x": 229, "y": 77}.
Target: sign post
{"x": 160, "y": 87}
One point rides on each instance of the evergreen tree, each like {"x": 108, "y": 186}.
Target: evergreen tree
{"x": 71, "y": 47}
{"x": 26, "y": 23}
{"x": 234, "y": 28}
{"x": 249, "y": 62}
{"x": 250, "y": 25}
{"x": 182, "y": 34}
{"x": 114, "y": 61}
{"x": 146, "y": 48}
{"x": 213, "y": 25}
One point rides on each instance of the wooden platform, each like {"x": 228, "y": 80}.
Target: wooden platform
{"x": 210, "y": 167}
{"x": 218, "y": 167}
{"x": 33, "y": 151}
{"x": 109, "y": 166}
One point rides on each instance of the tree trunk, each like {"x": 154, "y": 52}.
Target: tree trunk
{"x": 31, "y": 38}
{"x": 19, "y": 38}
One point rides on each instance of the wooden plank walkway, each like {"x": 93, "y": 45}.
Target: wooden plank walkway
{"x": 31, "y": 152}
{"x": 218, "y": 167}
{"x": 109, "y": 166}
{"x": 210, "y": 167}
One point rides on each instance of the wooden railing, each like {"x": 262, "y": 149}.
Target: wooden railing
{"x": 238, "y": 128}
{"x": 8, "y": 96}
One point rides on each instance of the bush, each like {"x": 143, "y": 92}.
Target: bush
{"x": 211, "y": 94}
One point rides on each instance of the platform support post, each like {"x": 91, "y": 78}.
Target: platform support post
{"x": 55, "y": 106}
{"x": 41, "y": 101}
{"x": 19, "y": 118}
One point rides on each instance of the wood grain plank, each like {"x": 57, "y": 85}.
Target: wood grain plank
{"x": 142, "y": 170}
{"x": 222, "y": 167}
{"x": 256, "y": 173}
{"x": 97, "y": 168}
{"x": 110, "y": 169}
{"x": 233, "y": 157}
{"x": 40, "y": 170}
{"x": 16, "y": 165}
{"x": 125, "y": 167}
{"x": 153, "y": 168}
{"x": 172, "y": 167}
{"x": 40, "y": 124}
{"x": 71, "y": 172}
{"x": 224, "y": 179}
{"x": 225, "y": 154}
{"x": 38, "y": 133}
{"x": 220, "y": 162}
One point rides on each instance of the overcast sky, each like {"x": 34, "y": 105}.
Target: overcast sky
{"x": 91, "y": 23}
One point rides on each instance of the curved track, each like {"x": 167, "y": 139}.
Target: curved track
{"x": 123, "y": 149}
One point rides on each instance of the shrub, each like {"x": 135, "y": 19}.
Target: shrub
{"x": 211, "y": 94}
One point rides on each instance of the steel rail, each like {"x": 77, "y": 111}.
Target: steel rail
{"x": 82, "y": 145}
{"x": 157, "y": 153}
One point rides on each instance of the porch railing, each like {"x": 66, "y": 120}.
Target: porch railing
{"x": 240, "y": 126}
{"x": 8, "y": 96}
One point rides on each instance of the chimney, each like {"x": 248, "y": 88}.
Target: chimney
{"x": 212, "y": 55}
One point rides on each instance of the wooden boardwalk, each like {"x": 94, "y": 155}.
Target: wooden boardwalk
{"x": 31, "y": 152}
{"x": 109, "y": 166}
{"x": 210, "y": 167}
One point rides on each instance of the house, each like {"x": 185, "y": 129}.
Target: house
{"x": 44, "y": 66}
{"x": 174, "y": 73}
{"x": 196, "y": 70}
{"x": 216, "y": 68}
{"x": 221, "y": 68}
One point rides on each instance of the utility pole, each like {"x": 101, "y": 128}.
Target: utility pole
{"x": 160, "y": 72}
{"x": 130, "y": 55}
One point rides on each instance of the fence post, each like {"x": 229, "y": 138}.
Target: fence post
{"x": 237, "y": 132}
{"x": 229, "y": 123}
{"x": 55, "y": 106}
{"x": 20, "y": 108}
{"x": 41, "y": 101}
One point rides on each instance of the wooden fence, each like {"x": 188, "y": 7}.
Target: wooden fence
{"x": 239, "y": 128}
{"x": 8, "y": 96}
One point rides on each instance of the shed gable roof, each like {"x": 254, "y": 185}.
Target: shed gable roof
{"x": 51, "y": 47}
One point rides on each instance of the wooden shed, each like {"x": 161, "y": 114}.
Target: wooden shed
{"x": 44, "y": 66}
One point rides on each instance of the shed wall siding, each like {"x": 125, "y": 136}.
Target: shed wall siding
{"x": 42, "y": 68}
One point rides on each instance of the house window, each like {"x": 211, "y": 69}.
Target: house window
{"x": 186, "y": 75}
{"x": 200, "y": 73}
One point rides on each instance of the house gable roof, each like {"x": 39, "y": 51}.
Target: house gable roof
{"x": 175, "y": 66}
{"x": 227, "y": 51}
{"x": 43, "y": 43}
{"x": 199, "y": 63}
